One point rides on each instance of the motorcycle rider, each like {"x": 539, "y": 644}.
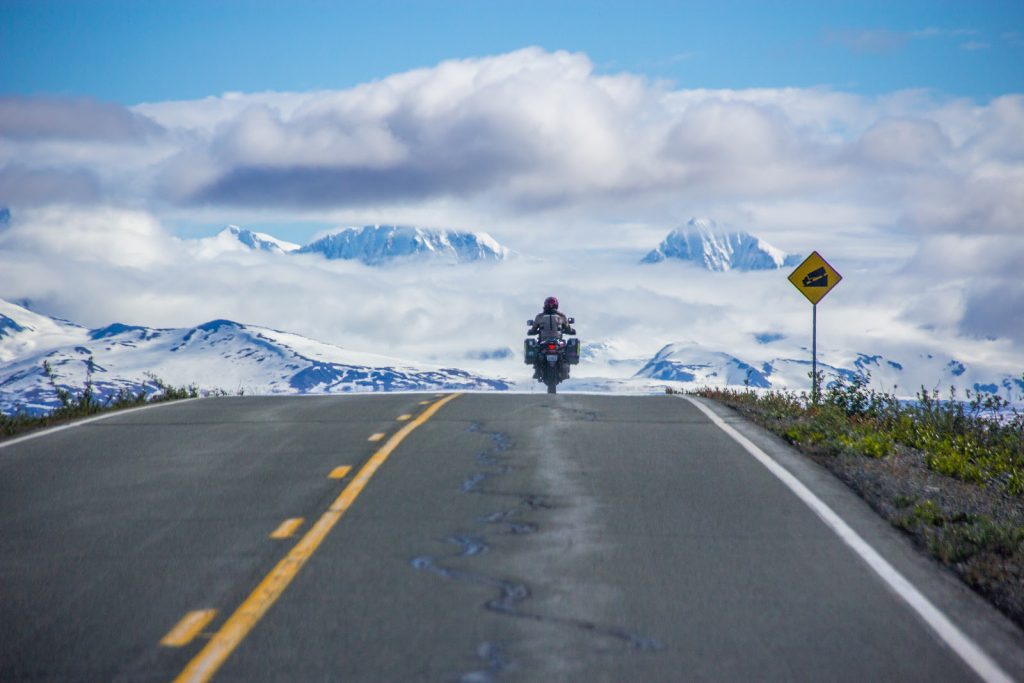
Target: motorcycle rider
{"x": 549, "y": 324}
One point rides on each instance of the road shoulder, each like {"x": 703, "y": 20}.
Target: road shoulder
{"x": 1001, "y": 639}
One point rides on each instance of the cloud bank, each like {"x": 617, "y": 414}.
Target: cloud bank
{"x": 543, "y": 151}
{"x": 525, "y": 131}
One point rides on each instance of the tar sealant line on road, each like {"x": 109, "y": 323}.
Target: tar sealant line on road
{"x": 969, "y": 651}
{"x": 90, "y": 420}
{"x": 209, "y": 660}
{"x": 512, "y": 594}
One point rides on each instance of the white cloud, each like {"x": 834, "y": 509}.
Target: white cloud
{"x": 975, "y": 284}
{"x": 902, "y": 144}
{"x": 553, "y": 159}
{"x": 103, "y": 236}
{"x": 528, "y": 133}
{"x": 35, "y": 118}
{"x": 33, "y": 186}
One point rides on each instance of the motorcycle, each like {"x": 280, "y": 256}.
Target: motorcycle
{"x": 552, "y": 356}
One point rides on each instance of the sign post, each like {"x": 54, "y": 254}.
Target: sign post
{"x": 814, "y": 278}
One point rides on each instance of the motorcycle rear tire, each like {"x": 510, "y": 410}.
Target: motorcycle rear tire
{"x": 551, "y": 379}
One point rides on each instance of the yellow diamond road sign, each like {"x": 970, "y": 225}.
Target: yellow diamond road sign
{"x": 815, "y": 277}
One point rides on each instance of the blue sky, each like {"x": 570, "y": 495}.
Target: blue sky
{"x": 137, "y": 51}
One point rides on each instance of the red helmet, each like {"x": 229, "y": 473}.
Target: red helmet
{"x": 551, "y": 304}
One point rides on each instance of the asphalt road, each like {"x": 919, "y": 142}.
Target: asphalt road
{"x": 500, "y": 537}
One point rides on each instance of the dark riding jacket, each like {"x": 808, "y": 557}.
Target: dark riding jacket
{"x": 551, "y": 325}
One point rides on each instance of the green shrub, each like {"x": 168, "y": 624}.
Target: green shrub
{"x": 980, "y": 439}
{"x": 85, "y": 402}
{"x": 901, "y": 501}
{"x": 870, "y": 443}
{"x": 927, "y": 512}
{"x": 975, "y": 536}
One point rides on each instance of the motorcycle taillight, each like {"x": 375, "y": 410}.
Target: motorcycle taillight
{"x": 552, "y": 347}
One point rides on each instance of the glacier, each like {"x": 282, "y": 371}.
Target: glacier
{"x": 703, "y": 242}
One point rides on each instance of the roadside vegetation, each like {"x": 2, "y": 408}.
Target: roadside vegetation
{"x": 948, "y": 472}
{"x": 87, "y": 402}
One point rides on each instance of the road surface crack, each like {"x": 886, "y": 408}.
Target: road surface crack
{"x": 492, "y": 463}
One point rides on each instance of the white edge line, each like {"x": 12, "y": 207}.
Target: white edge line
{"x": 97, "y": 418}
{"x": 967, "y": 649}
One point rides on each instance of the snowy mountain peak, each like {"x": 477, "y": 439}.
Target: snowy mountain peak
{"x": 256, "y": 240}
{"x": 378, "y": 244}
{"x": 113, "y": 330}
{"x": 234, "y": 239}
{"x": 703, "y": 242}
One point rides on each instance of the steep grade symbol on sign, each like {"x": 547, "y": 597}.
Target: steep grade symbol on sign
{"x": 816, "y": 278}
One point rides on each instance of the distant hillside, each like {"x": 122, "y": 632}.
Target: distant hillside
{"x": 692, "y": 363}
{"x": 219, "y": 354}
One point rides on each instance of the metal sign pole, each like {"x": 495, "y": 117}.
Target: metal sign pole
{"x": 814, "y": 278}
{"x": 814, "y": 354}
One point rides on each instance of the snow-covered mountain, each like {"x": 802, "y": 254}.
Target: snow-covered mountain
{"x": 229, "y": 356}
{"x": 702, "y": 242}
{"x": 23, "y": 332}
{"x": 379, "y": 244}
{"x": 259, "y": 240}
{"x": 692, "y": 364}
{"x": 234, "y": 238}
{"x": 218, "y": 355}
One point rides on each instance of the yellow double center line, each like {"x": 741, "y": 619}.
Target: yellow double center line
{"x": 205, "y": 664}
